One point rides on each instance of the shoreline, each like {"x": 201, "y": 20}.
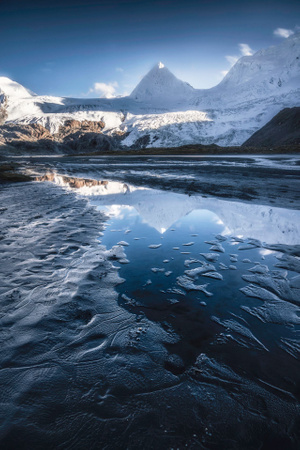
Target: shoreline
{"x": 11, "y": 151}
{"x": 273, "y": 182}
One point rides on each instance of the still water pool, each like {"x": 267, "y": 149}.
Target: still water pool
{"x": 210, "y": 272}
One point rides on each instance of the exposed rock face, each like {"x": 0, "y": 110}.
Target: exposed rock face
{"x": 283, "y": 129}
{"x": 72, "y": 181}
{"x": 13, "y": 132}
{"x": 32, "y": 138}
{"x": 3, "y": 106}
{"x": 73, "y": 137}
{"x": 86, "y": 126}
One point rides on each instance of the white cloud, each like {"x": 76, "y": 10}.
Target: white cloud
{"x": 283, "y": 32}
{"x": 119, "y": 69}
{"x": 224, "y": 73}
{"x": 104, "y": 90}
{"x": 232, "y": 59}
{"x": 246, "y": 50}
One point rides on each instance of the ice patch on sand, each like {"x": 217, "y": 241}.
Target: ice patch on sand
{"x": 154, "y": 246}
{"x": 211, "y": 257}
{"x": 275, "y": 311}
{"x": 233, "y": 325}
{"x": 215, "y": 275}
{"x": 157, "y": 269}
{"x": 206, "y": 267}
{"x": 188, "y": 284}
{"x": 217, "y": 248}
{"x": 291, "y": 346}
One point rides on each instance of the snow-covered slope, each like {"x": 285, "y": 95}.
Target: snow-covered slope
{"x": 272, "y": 71}
{"x": 161, "y": 86}
{"x": 164, "y": 111}
{"x": 14, "y": 89}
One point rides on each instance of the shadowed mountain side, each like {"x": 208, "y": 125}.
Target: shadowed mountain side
{"x": 283, "y": 129}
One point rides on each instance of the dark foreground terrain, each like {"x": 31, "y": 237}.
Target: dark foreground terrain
{"x": 150, "y": 303}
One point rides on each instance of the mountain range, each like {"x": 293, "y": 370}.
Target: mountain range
{"x": 163, "y": 111}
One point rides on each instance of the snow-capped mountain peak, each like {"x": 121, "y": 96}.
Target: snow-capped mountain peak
{"x": 268, "y": 70}
{"x": 163, "y": 111}
{"x": 160, "y": 85}
{"x": 13, "y": 89}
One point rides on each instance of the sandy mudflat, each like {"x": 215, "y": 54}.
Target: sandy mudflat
{"x": 82, "y": 367}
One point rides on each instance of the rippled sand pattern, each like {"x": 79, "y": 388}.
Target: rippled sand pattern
{"x": 86, "y": 364}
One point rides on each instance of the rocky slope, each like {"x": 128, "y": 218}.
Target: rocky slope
{"x": 283, "y": 129}
{"x": 72, "y": 137}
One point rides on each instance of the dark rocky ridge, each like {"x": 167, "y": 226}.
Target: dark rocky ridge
{"x": 283, "y": 129}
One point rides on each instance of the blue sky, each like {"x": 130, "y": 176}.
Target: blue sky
{"x": 95, "y": 48}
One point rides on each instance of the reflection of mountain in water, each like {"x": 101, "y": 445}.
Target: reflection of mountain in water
{"x": 161, "y": 209}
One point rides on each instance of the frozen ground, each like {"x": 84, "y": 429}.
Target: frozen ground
{"x": 141, "y": 318}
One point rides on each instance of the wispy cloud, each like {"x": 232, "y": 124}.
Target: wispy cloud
{"x": 224, "y": 72}
{"x": 283, "y": 32}
{"x": 119, "y": 69}
{"x": 246, "y": 50}
{"x": 104, "y": 90}
{"x": 232, "y": 59}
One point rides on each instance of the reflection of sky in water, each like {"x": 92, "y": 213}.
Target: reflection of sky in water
{"x": 163, "y": 210}
{"x": 189, "y": 313}
{"x": 129, "y": 217}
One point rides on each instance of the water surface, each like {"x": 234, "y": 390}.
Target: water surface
{"x": 151, "y": 314}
